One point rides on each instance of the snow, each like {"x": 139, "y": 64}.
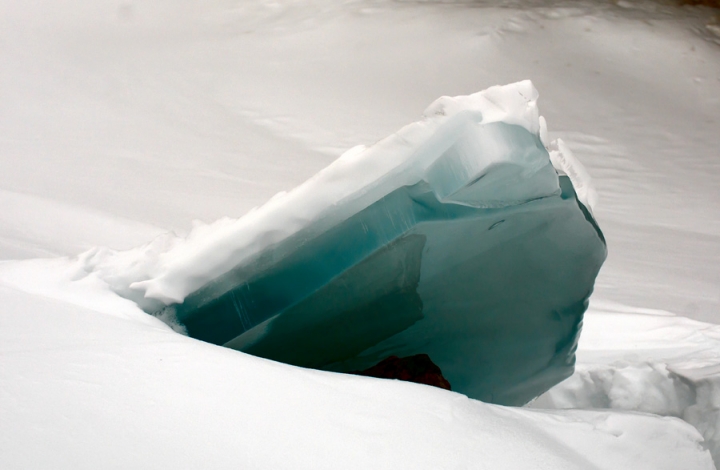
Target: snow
{"x": 83, "y": 389}
{"x": 649, "y": 361}
{"x": 122, "y": 120}
{"x": 566, "y": 164}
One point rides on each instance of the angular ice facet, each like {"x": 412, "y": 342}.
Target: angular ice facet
{"x": 455, "y": 237}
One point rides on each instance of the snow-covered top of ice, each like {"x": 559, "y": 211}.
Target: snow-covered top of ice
{"x": 170, "y": 268}
{"x": 566, "y": 164}
{"x": 512, "y": 104}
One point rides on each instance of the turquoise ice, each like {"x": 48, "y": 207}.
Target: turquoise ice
{"x": 485, "y": 263}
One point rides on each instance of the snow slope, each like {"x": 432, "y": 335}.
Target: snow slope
{"x": 121, "y": 120}
{"x": 103, "y": 385}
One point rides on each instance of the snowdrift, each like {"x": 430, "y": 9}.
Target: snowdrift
{"x": 648, "y": 361}
{"x": 103, "y": 385}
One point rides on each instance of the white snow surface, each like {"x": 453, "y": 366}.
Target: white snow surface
{"x": 100, "y": 384}
{"x": 649, "y": 361}
{"x": 121, "y": 121}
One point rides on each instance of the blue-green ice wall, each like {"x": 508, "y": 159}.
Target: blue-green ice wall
{"x": 494, "y": 294}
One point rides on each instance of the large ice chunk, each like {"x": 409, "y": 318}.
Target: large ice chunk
{"x": 454, "y": 237}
